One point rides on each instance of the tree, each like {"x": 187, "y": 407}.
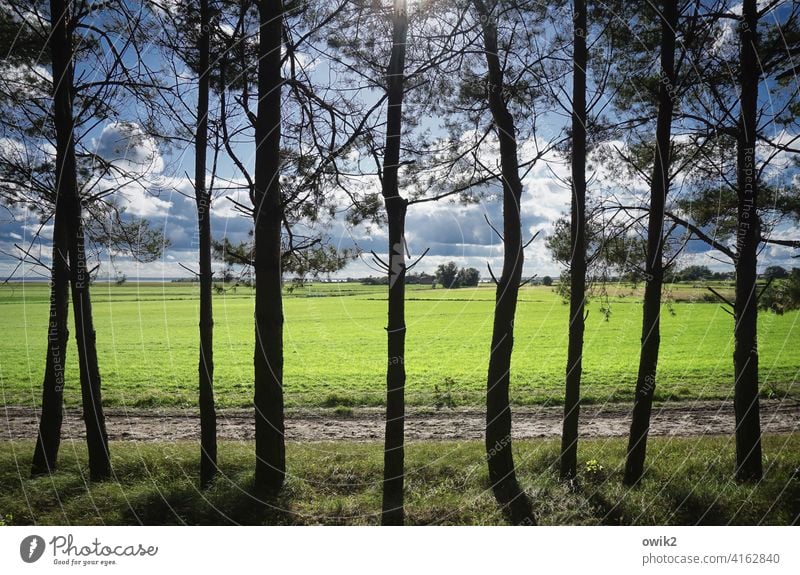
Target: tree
{"x": 577, "y": 298}
{"x": 407, "y": 85}
{"x": 641, "y": 95}
{"x": 713, "y": 117}
{"x": 28, "y": 164}
{"x": 502, "y": 473}
{"x": 611, "y": 249}
{"x": 743, "y": 201}
{"x": 447, "y": 275}
{"x": 301, "y": 129}
{"x": 735, "y": 200}
{"x": 468, "y": 277}
{"x": 61, "y": 52}
{"x": 311, "y": 261}
{"x": 748, "y": 235}
{"x": 268, "y": 220}
{"x": 194, "y": 22}
{"x": 20, "y": 45}
{"x": 547, "y": 281}
{"x": 208, "y": 416}
{"x": 654, "y": 263}
{"x": 224, "y": 55}
{"x": 693, "y": 273}
{"x": 188, "y": 31}
{"x": 775, "y": 272}
{"x": 782, "y": 295}
{"x": 396, "y": 206}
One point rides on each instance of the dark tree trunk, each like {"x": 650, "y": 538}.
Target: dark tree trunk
{"x": 569, "y": 435}
{"x": 208, "y": 416}
{"x": 502, "y": 474}
{"x": 745, "y": 354}
{"x": 93, "y": 416}
{"x": 268, "y": 216}
{"x": 49, "y": 439}
{"x": 654, "y": 264}
{"x": 393, "y": 473}
{"x": 96, "y": 436}
{"x": 392, "y": 508}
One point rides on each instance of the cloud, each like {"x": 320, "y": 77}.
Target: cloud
{"x": 457, "y": 232}
{"x": 140, "y": 203}
{"x": 125, "y": 145}
{"x": 32, "y": 81}
{"x": 449, "y": 229}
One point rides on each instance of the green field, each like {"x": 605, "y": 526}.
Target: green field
{"x": 446, "y": 483}
{"x": 335, "y": 346}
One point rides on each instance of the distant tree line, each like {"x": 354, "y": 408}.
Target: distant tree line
{"x": 450, "y": 276}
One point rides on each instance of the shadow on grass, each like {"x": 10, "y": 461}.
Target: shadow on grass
{"x": 339, "y": 483}
{"x": 608, "y": 510}
{"x": 223, "y": 504}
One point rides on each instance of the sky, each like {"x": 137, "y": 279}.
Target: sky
{"x": 450, "y": 231}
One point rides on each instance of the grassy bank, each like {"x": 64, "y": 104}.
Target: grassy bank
{"x": 689, "y": 482}
{"x": 335, "y": 346}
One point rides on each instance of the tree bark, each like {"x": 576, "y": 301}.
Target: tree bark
{"x": 268, "y": 216}
{"x": 93, "y": 416}
{"x": 49, "y": 439}
{"x": 577, "y": 298}
{"x": 654, "y": 264}
{"x": 745, "y": 354}
{"x": 393, "y": 474}
{"x": 502, "y": 474}
{"x": 208, "y": 416}
{"x": 62, "y": 54}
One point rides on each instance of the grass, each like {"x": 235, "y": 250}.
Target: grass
{"x": 335, "y": 346}
{"x": 339, "y": 483}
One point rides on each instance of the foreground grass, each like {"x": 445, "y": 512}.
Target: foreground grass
{"x": 335, "y": 346}
{"x": 339, "y": 483}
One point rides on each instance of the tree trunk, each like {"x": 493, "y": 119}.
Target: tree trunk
{"x": 393, "y": 473}
{"x": 49, "y": 439}
{"x": 502, "y": 474}
{"x": 654, "y": 264}
{"x": 93, "y": 416}
{"x": 268, "y": 216}
{"x": 393, "y": 476}
{"x": 569, "y": 435}
{"x": 208, "y": 416}
{"x": 62, "y": 54}
{"x": 745, "y": 355}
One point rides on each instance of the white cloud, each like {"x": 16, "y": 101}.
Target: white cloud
{"x": 140, "y": 203}
{"x": 127, "y": 146}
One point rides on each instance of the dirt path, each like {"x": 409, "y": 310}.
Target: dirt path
{"x": 681, "y": 419}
